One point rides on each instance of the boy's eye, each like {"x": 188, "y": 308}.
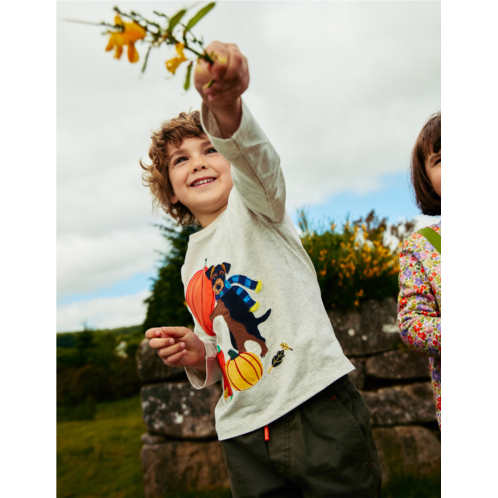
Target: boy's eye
{"x": 211, "y": 149}
{"x": 180, "y": 159}
{"x": 438, "y": 161}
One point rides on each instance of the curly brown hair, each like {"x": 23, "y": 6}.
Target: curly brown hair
{"x": 156, "y": 177}
{"x": 429, "y": 140}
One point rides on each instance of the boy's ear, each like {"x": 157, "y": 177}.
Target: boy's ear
{"x": 226, "y": 267}
{"x": 209, "y": 272}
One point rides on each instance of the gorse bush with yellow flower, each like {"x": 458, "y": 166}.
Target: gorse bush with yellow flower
{"x": 358, "y": 262}
{"x": 172, "y": 31}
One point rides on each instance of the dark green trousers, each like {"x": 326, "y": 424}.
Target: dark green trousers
{"x": 322, "y": 448}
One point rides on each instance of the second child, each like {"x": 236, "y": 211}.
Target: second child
{"x": 419, "y": 302}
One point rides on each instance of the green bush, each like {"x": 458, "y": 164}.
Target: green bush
{"x": 356, "y": 263}
{"x": 68, "y": 340}
{"x": 93, "y": 371}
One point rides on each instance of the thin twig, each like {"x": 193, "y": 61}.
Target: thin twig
{"x": 92, "y": 23}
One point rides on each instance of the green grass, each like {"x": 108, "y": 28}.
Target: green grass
{"x": 100, "y": 458}
{"x": 412, "y": 487}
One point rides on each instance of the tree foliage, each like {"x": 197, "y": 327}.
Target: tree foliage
{"x": 166, "y": 305}
{"x": 90, "y": 370}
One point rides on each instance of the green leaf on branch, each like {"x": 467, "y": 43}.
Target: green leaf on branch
{"x": 175, "y": 20}
{"x": 199, "y": 16}
{"x": 187, "y": 78}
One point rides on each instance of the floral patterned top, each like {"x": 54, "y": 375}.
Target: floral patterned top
{"x": 419, "y": 304}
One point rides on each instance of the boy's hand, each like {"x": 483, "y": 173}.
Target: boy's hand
{"x": 229, "y": 72}
{"x": 230, "y": 76}
{"x": 178, "y": 347}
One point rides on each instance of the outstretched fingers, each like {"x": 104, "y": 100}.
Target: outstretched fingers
{"x": 171, "y": 352}
{"x": 175, "y": 360}
{"x": 154, "y": 332}
{"x": 174, "y": 332}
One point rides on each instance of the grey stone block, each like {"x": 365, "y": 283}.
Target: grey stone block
{"x": 178, "y": 410}
{"x": 410, "y": 404}
{"x": 148, "y": 438}
{"x": 399, "y": 364}
{"x": 370, "y": 329}
{"x": 407, "y": 450}
{"x": 183, "y": 467}
{"x": 151, "y": 368}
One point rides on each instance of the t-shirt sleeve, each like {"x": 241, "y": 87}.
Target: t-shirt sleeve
{"x": 213, "y": 371}
{"x": 256, "y": 172}
{"x": 419, "y": 319}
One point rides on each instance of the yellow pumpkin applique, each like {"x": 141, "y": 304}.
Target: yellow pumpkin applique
{"x": 243, "y": 370}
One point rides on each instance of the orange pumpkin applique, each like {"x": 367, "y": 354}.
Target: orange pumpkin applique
{"x": 201, "y": 300}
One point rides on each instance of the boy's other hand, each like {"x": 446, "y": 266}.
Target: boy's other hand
{"x": 229, "y": 72}
{"x": 178, "y": 347}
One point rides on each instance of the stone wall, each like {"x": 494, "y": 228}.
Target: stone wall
{"x": 395, "y": 384}
{"x": 181, "y": 451}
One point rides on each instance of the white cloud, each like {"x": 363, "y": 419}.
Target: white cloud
{"x": 114, "y": 199}
{"x": 86, "y": 264}
{"x": 107, "y": 312}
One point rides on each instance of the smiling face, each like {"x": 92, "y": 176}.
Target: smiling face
{"x": 433, "y": 170}
{"x": 201, "y": 178}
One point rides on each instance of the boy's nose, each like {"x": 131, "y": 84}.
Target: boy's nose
{"x": 198, "y": 166}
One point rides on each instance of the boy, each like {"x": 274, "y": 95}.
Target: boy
{"x": 290, "y": 421}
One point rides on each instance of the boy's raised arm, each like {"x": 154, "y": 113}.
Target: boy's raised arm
{"x": 236, "y": 135}
{"x": 230, "y": 74}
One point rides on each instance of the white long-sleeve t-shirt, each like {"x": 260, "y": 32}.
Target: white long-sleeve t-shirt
{"x": 267, "y": 335}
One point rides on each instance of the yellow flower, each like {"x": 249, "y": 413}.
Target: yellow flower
{"x": 131, "y": 33}
{"x": 172, "y": 64}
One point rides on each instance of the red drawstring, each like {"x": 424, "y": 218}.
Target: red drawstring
{"x": 267, "y": 433}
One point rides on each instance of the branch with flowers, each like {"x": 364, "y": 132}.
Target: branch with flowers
{"x": 168, "y": 30}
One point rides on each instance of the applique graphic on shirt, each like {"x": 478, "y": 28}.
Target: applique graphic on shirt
{"x": 279, "y": 357}
{"x": 243, "y": 370}
{"x": 201, "y": 300}
{"x": 237, "y": 307}
{"x": 227, "y": 388}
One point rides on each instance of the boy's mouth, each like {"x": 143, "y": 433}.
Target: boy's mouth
{"x": 202, "y": 181}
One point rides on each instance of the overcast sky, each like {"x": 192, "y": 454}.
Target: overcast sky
{"x": 340, "y": 88}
